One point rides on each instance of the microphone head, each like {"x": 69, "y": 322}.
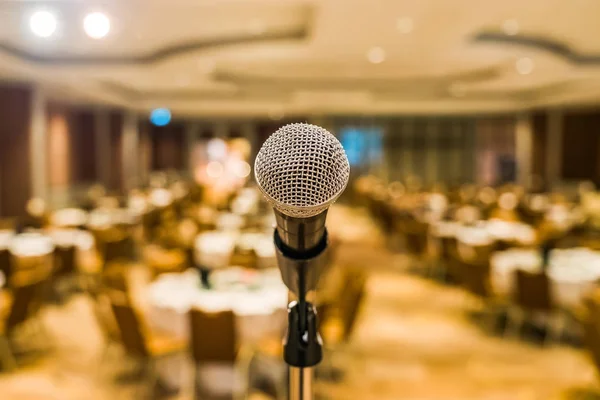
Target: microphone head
{"x": 301, "y": 169}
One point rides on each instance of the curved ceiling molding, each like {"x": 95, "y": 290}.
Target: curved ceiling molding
{"x": 162, "y": 54}
{"x": 540, "y": 43}
{"x": 132, "y": 94}
{"x": 245, "y": 77}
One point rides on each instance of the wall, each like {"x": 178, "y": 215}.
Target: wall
{"x": 15, "y": 166}
{"x": 168, "y": 146}
{"x": 580, "y": 151}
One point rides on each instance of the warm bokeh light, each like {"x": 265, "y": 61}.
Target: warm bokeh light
{"x": 216, "y": 149}
{"x": 376, "y": 55}
{"x": 96, "y": 25}
{"x": 241, "y": 169}
{"x": 524, "y": 65}
{"x": 214, "y": 169}
{"x": 43, "y": 23}
{"x": 510, "y": 27}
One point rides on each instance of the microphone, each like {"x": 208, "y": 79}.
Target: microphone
{"x": 301, "y": 170}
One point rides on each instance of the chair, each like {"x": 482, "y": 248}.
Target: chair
{"x": 213, "y": 340}
{"x": 140, "y": 344}
{"x": 6, "y": 265}
{"x": 64, "y": 261}
{"x": 591, "y": 333}
{"x": 533, "y": 294}
{"x": 352, "y": 299}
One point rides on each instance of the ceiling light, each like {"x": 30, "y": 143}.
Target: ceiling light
{"x": 276, "y": 114}
{"x": 160, "y": 116}
{"x": 43, "y": 23}
{"x": 96, "y": 25}
{"x": 376, "y": 55}
{"x": 524, "y": 65}
{"x": 510, "y": 27}
{"x": 404, "y": 25}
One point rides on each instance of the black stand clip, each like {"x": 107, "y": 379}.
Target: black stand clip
{"x": 303, "y": 346}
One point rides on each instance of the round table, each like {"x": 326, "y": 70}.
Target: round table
{"x": 69, "y": 217}
{"x": 258, "y": 299}
{"x": 485, "y": 232}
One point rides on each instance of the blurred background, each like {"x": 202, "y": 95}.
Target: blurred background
{"x": 135, "y": 250}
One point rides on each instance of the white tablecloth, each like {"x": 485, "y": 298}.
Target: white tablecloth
{"x": 105, "y": 217}
{"x": 485, "y": 232}
{"x": 214, "y": 249}
{"x": 5, "y": 237}
{"x": 31, "y": 245}
{"x": 572, "y": 271}
{"x": 69, "y": 217}
{"x": 258, "y": 299}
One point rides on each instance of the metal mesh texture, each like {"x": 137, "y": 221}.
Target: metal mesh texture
{"x": 301, "y": 169}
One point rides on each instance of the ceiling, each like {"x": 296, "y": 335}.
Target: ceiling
{"x": 292, "y": 57}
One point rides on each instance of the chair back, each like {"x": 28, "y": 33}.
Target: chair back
{"x": 22, "y": 305}
{"x": 130, "y": 328}
{"x": 5, "y": 264}
{"x": 213, "y": 337}
{"x": 476, "y": 279}
{"x": 105, "y": 317}
{"x": 591, "y": 333}
{"x": 533, "y": 292}
{"x": 64, "y": 260}
{"x": 351, "y": 301}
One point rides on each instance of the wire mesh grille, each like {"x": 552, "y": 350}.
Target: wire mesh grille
{"x": 301, "y": 169}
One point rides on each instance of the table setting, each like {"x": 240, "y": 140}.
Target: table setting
{"x": 572, "y": 272}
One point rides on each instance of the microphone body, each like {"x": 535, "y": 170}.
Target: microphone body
{"x": 301, "y": 170}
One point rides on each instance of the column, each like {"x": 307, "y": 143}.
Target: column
{"x": 431, "y": 150}
{"x": 103, "y": 156}
{"x": 554, "y": 147}
{"x": 130, "y": 151}
{"x": 523, "y": 147}
{"x": 38, "y": 145}
{"x": 248, "y": 131}
{"x": 408, "y": 147}
{"x": 192, "y": 131}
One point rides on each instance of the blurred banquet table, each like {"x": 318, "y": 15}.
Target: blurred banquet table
{"x": 5, "y": 237}
{"x": 258, "y": 299}
{"x": 485, "y": 232}
{"x": 83, "y": 241}
{"x": 101, "y": 218}
{"x": 572, "y": 272}
{"x": 69, "y": 217}
{"x": 32, "y": 252}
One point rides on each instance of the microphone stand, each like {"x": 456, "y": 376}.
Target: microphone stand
{"x": 303, "y": 347}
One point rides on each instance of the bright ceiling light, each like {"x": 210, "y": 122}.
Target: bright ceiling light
{"x": 524, "y": 65}
{"x": 404, "y": 25}
{"x": 96, "y": 25}
{"x": 376, "y": 55}
{"x": 510, "y": 27}
{"x": 43, "y": 23}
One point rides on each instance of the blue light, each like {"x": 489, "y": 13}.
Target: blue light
{"x": 160, "y": 116}
{"x": 362, "y": 145}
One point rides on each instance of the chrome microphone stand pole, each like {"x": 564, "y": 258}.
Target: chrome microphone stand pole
{"x": 300, "y": 270}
